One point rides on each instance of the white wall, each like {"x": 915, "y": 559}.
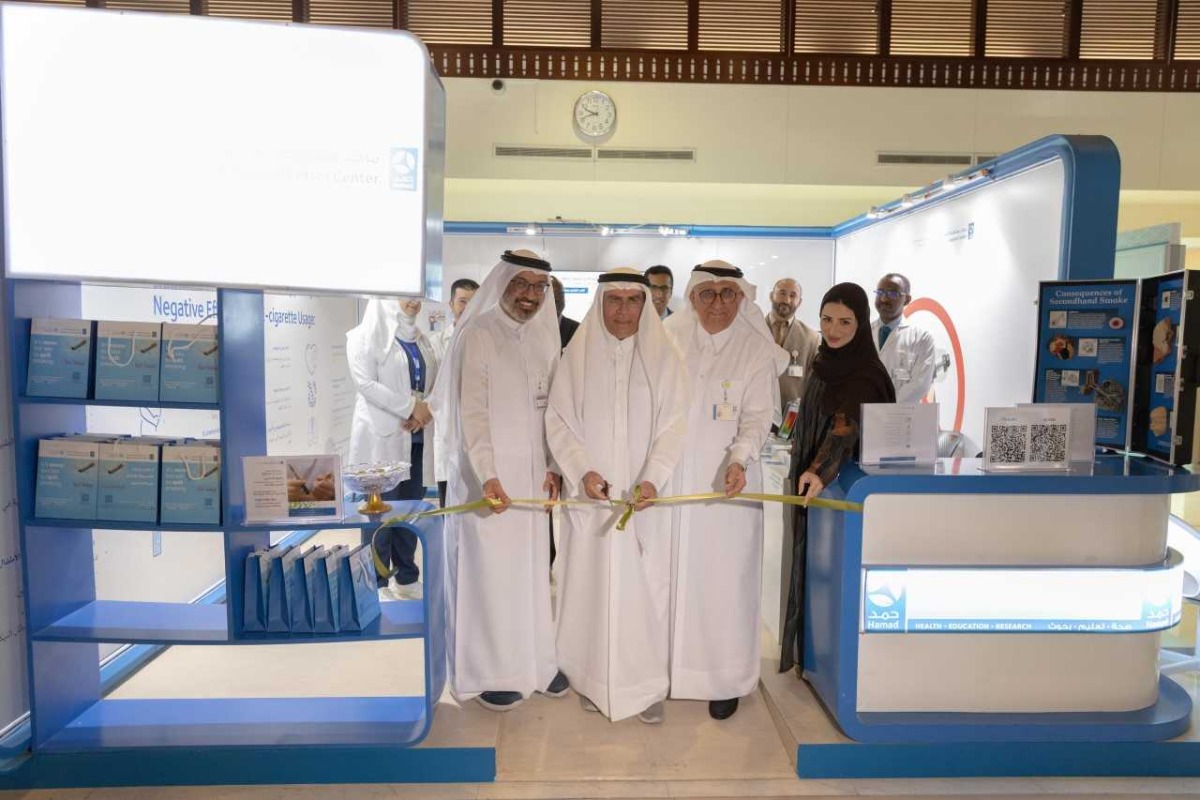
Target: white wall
{"x": 979, "y": 255}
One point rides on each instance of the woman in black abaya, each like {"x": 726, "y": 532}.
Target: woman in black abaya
{"x": 846, "y": 373}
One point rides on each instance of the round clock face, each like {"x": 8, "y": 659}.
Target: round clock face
{"x": 595, "y": 114}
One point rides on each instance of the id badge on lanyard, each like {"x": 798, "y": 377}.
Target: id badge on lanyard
{"x": 725, "y": 411}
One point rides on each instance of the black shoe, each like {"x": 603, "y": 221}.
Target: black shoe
{"x": 500, "y": 701}
{"x": 558, "y": 687}
{"x": 722, "y": 709}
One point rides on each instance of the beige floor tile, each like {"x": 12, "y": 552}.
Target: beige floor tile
{"x": 555, "y": 740}
{"x": 774, "y": 787}
{"x": 571, "y": 790}
{"x": 793, "y": 700}
{"x": 934, "y": 787}
{"x": 462, "y": 725}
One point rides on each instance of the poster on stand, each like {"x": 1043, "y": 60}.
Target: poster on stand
{"x": 1164, "y": 406}
{"x": 1085, "y": 346}
{"x": 293, "y": 488}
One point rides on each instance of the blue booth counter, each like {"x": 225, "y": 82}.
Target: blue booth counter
{"x": 964, "y": 606}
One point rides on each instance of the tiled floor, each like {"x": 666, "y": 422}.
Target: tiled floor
{"x": 552, "y": 749}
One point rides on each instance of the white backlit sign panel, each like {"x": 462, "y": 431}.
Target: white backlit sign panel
{"x": 1007, "y": 600}
{"x": 171, "y": 148}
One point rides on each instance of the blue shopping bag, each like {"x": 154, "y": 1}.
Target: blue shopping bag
{"x": 254, "y": 592}
{"x": 318, "y": 592}
{"x": 298, "y": 589}
{"x": 333, "y": 562}
{"x": 359, "y": 590}
{"x": 279, "y": 618}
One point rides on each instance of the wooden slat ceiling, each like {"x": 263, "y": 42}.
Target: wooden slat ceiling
{"x": 753, "y": 25}
{"x": 1026, "y": 28}
{"x": 932, "y": 28}
{"x": 1118, "y": 29}
{"x": 1187, "y": 33}
{"x": 525, "y": 23}
{"x": 251, "y": 9}
{"x": 451, "y": 21}
{"x": 358, "y": 13}
{"x": 644, "y": 24}
{"x": 840, "y": 26}
{"x": 161, "y": 6}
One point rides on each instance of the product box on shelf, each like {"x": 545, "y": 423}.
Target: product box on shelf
{"x": 128, "y": 484}
{"x": 191, "y": 483}
{"x": 66, "y": 479}
{"x": 188, "y": 372}
{"x": 127, "y": 356}
{"x": 60, "y": 358}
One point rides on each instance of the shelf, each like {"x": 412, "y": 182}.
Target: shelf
{"x": 118, "y": 525}
{"x": 77, "y": 401}
{"x": 212, "y": 722}
{"x": 140, "y": 623}
{"x": 188, "y": 623}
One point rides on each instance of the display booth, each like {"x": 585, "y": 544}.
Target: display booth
{"x": 965, "y": 623}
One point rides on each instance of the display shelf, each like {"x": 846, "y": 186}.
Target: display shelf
{"x": 214, "y": 722}
{"x": 140, "y": 623}
{"x": 77, "y": 401}
{"x": 118, "y": 525}
{"x": 129, "y": 622}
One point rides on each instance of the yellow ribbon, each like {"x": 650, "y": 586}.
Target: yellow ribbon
{"x": 627, "y": 507}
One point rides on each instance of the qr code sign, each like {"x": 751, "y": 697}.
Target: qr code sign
{"x": 1006, "y": 443}
{"x": 1048, "y": 444}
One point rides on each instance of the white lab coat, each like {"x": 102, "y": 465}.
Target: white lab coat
{"x": 379, "y": 368}
{"x": 616, "y": 408}
{"x": 717, "y": 546}
{"x": 908, "y": 357}
{"x": 504, "y": 626}
{"x": 439, "y": 341}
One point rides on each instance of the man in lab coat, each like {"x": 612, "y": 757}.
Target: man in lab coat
{"x": 733, "y": 371}
{"x": 491, "y": 401}
{"x": 616, "y": 426}
{"x": 905, "y": 350}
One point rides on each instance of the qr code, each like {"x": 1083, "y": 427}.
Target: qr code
{"x": 1006, "y": 443}
{"x": 1047, "y": 443}
{"x": 1164, "y": 383}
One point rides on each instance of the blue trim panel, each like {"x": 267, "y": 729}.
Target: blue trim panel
{"x": 999, "y": 759}
{"x": 694, "y": 231}
{"x": 224, "y": 766}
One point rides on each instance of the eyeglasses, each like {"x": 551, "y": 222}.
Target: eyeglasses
{"x": 661, "y": 289}
{"x": 890, "y": 294}
{"x": 522, "y": 286}
{"x": 709, "y": 296}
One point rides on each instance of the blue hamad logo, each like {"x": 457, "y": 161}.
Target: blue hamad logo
{"x": 402, "y": 169}
{"x": 883, "y": 602}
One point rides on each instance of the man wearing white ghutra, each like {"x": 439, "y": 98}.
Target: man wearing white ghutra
{"x": 491, "y": 399}
{"x": 615, "y": 427}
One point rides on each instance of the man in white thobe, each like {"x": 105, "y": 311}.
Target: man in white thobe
{"x": 616, "y": 427}
{"x": 461, "y": 292}
{"x": 906, "y": 350}
{"x": 733, "y": 369}
{"x": 491, "y": 399}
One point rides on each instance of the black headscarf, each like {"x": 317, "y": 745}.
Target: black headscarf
{"x": 852, "y": 373}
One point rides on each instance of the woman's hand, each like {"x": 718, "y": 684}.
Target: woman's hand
{"x": 422, "y": 414}
{"x": 809, "y": 485}
{"x": 735, "y": 479}
{"x": 492, "y": 490}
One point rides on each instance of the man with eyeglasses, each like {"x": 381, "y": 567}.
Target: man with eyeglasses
{"x": 491, "y": 398}
{"x": 733, "y": 368}
{"x": 662, "y": 283}
{"x": 616, "y": 428}
{"x": 798, "y": 340}
{"x": 905, "y": 350}
{"x": 461, "y": 292}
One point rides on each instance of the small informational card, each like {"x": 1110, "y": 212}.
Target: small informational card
{"x": 293, "y": 488}
{"x": 1033, "y": 437}
{"x": 899, "y": 433}
{"x": 1082, "y": 447}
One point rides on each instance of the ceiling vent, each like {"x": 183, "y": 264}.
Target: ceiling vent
{"x": 644, "y": 154}
{"x": 521, "y": 151}
{"x": 926, "y": 159}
